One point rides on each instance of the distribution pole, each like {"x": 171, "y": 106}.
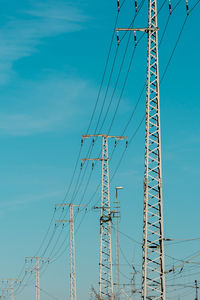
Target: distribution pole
{"x": 105, "y": 265}
{"x": 11, "y": 288}
{"x": 37, "y": 269}
{"x": 116, "y": 215}
{"x": 72, "y": 249}
{"x": 153, "y": 274}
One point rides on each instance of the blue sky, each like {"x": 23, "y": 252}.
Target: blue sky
{"x": 52, "y": 57}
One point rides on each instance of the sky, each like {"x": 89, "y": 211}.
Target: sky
{"x": 52, "y": 58}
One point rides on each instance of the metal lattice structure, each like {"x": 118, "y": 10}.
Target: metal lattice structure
{"x": 105, "y": 264}
{"x": 37, "y": 283}
{"x": 153, "y": 275}
{"x": 105, "y": 272}
{"x": 72, "y": 248}
{"x": 10, "y": 289}
{"x": 37, "y": 272}
{"x": 72, "y": 257}
{"x": 116, "y": 215}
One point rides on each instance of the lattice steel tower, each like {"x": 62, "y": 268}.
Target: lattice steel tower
{"x": 153, "y": 276}
{"x": 72, "y": 248}
{"x": 105, "y": 264}
{"x": 10, "y": 289}
{"x": 38, "y": 260}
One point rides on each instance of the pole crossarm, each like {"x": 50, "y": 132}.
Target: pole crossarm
{"x": 93, "y": 159}
{"x": 63, "y": 221}
{"x": 11, "y": 279}
{"x": 70, "y": 204}
{"x": 86, "y": 136}
{"x": 36, "y": 257}
{"x": 146, "y": 29}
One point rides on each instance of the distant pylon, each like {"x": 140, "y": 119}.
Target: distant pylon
{"x": 11, "y": 287}
{"x": 105, "y": 265}
{"x": 37, "y": 271}
{"x": 72, "y": 249}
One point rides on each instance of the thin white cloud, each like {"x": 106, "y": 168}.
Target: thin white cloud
{"x": 58, "y": 10}
{"x": 19, "y": 37}
{"x": 29, "y": 198}
{"x": 56, "y": 103}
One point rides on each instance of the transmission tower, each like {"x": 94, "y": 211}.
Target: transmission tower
{"x": 153, "y": 274}
{"x": 11, "y": 287}
{"x": 116, "y": 215}
{"x": 105, "y": 272}
{"x": 72, "y": 249}
{"x": 38, "y": 260}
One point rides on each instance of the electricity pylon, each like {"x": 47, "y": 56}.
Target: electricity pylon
{"x": 116, "y": 215}
{"x": 105, "y": 265}
{"x": 37, "y": 271}
{"x": 72, "y": 249}
{"x": 153, "y": 274}
{"x": 11, "y": 288}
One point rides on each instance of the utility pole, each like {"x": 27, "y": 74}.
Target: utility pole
{"x": 72, "y": 249}
{"x": 116, "y": 215}
{"x": 196, "y": 288}
{"x": 105, "y": 265}
{"x": 153, "y": 273}
{"x": 38, "y": 260}
{"x": 11, "y": 287}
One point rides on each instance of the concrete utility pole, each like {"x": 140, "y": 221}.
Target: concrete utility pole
{"x": 116, "y": 215}
{"x": 72, "y": 249}
{"x": 153, "y": 273}
{"x": 12, "y": 281}
{"x": 105, "y": 265}
{"x": 38, "y": 260}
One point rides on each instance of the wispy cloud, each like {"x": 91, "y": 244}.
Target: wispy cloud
{"x": 30, "y": 198}
{"x": 20, "y": 36}
{"x": 46, "y": 104}
{"x": 57, "y": 103}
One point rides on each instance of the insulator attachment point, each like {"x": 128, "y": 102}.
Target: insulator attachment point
{"x": 170, "y": 7}
{"x": 136, "y": 6}
{"x": 187, "y": 7}
{"x": 118, "y": 5}
{"x": 135, "y": 39}
{"x": 117, "y": 38}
